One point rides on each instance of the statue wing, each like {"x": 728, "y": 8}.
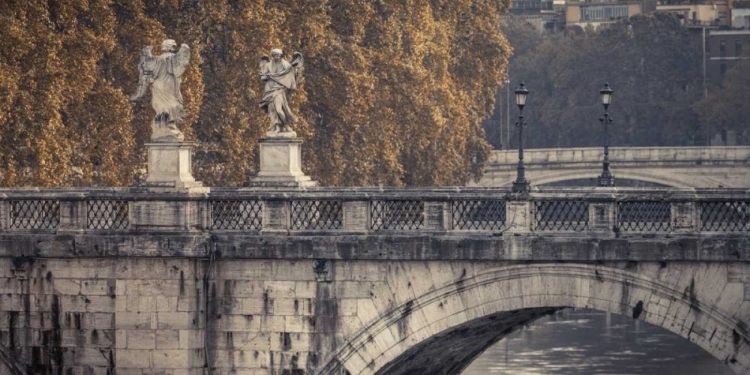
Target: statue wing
{"x": 298, "y": 62}
{"x": 145, "y": 69}
{"x": 182, "y": 59}
{"x": 264, "y": 61}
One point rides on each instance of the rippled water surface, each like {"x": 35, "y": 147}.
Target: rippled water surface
{"x": 590, "y": 342}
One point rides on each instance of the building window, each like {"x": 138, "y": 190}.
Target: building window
{"x": 723, "y": 69}
{"x": 722, "y": 49}
{"x": 604, "y": 12}
{"x": 738, "y": 49}
{"x": 722, "y": 15}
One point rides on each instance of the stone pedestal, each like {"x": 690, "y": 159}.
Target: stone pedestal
{"x": 280, "y": 164}
{"x": 170, "y": 167}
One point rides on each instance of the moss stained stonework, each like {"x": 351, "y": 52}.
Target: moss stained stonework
{"x": 174, "y": 292}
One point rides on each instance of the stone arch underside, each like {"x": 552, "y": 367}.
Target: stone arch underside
{"x": 452, "y": 350}
{"x": 441, "y": 331}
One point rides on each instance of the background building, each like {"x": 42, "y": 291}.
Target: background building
{"x": 726, "y": 48}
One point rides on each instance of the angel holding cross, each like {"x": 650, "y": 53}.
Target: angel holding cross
{"x": 280, "y": 77}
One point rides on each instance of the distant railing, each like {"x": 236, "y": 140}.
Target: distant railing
{"x": 328, "y": 211}
{"x": 733, "y": 155}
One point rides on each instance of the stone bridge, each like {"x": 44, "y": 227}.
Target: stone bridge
{"x": 698, "y": 167}
{"x": 354, "y": 281}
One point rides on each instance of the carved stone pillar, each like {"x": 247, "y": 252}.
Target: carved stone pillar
{"x": 518, "y": 216}
{"x": 356, "y": 216}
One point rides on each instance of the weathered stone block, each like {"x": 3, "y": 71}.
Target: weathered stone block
{"x": 166, "y": 215}
{"x": 168, "y": 339}
{"x": 136, "y": 303}
{"x": 175, "y": 320}
{"x": 130, "y": 358}
{"x": 166, "y": 304}
{"x": 355, "y": 216}
{"x": 272, "y": 323}
{"x": 170, "y": 167}
{"x": 347, "y": 306}
{"x": 67, "y": 286}
{"x": 354, "y": 289}
{"x": 518, "y": 216}
{"x": 305, "y": 289}
{"x": 285, "y": 306}
{"x": 141, "y": 339}
{"x": 280, "y": 164}
{"x": 280, "y": 289}
{"x": 87, "y": 303}
{"x": 133, "y": 320}
{"x": 191, "y": 339}
{"x": 93, "y": 287}
{"x": 171, "y": 358}
{"x": 436, "y": 216}
{"x": 246, "y": 323}
{"x": 93, "y": 357}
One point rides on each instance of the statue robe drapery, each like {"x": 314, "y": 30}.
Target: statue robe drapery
{"x": 281, "y": 79}
{"x": 165, "y": 90}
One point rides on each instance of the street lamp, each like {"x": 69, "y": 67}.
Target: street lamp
{"x": 521, "y": 184}
{"x": 507, "y": 115}
{"x": 606, "y": 178}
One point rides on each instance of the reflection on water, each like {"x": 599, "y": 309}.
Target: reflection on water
{"x": 592, "y": 342}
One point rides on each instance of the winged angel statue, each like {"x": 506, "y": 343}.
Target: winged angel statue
{"x": 280, "y": 77}
{"x": 163, "y": 73}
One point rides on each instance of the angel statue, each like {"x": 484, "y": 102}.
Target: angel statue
{"x": 163, "y": 74}
{"x": 280, "y": 77}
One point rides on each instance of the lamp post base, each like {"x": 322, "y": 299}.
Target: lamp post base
{"x": 521, "y": 186}
{"x": 607, "y": 180}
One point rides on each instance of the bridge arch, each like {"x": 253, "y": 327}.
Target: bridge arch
{"x": 442, "y": 330}
{"x": 660, "y": 178}
{"x": 682, "y": 167}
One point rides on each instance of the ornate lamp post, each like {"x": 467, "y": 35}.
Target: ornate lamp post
{"x": 521, "y": 184}
{"x": 606, "y": 178}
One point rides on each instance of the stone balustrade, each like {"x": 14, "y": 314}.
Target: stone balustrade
{"x": 373, "y": 211}
{"x": 733, "y": 155}
{"x": 354, "y": 280}
{"x": 679, "y": 167}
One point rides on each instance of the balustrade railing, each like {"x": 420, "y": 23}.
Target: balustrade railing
{"x": 236, "y": 215}
{"x": 644, "y": 216}
{"x": 328, "y": 211}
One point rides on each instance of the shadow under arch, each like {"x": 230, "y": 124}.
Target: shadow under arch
{"x": 436, "y": 335}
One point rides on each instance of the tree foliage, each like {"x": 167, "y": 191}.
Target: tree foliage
{"x": 394, "y": 92}
{"x": 726, "y": 107}
{"x": 650, "y": 60}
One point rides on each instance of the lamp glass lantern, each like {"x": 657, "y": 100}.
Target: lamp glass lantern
{"x": 606, "y": 94}
{"x": 521, "y": 94}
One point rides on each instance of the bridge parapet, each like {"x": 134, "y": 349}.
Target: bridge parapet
{"x": 681, "y": 167}
{"x": 337, "y": 280}
{"x": 732, "y": 155}
{"x": 338, "y": 211}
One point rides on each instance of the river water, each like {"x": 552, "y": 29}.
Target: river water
{"x": 591, "y": 342}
